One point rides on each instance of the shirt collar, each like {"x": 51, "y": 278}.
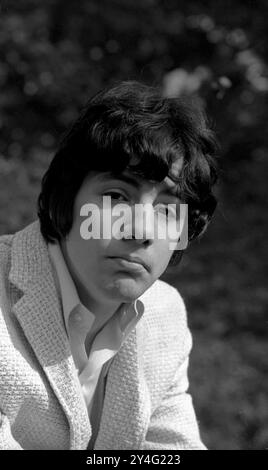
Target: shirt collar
{"x": 70, "y": 298}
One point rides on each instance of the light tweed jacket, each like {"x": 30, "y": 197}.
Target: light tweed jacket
{"x": 41, "y": 406}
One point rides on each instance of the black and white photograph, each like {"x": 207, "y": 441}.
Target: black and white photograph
{"x": 133, "y": 226}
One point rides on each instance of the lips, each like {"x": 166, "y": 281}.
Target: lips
{"x": 134, "y": 260}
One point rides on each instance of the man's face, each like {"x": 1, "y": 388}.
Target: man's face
{"x": 112, "y": 271}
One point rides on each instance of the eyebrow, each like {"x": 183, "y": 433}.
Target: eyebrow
{"x": 133, "y": 182}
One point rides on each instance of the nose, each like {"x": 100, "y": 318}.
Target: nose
{"x": 142, "y": 224}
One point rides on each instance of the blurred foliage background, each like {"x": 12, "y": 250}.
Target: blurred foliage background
{"x": 55, "y": 54}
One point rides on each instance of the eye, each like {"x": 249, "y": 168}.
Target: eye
{"x": 116, "y": 196}
{"x": 163, "y": 209}
{"x": 168, "y": 210}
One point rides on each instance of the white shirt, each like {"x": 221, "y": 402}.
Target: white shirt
{"x": 79, "y": 321}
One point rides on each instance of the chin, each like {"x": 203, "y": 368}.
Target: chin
{"x": 127, "y": 289}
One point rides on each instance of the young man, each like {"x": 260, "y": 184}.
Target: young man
{"x": 94, "y": 348}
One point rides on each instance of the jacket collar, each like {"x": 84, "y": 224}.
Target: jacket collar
{"x": 39, "y": 312}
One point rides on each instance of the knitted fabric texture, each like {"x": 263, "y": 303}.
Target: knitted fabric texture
{"x": 146, "y": 404}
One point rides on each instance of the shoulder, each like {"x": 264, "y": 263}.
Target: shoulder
{"x": 5, "y": 245}
{"x": 5, "y": 256}
{"x": 166, "y": 338}
{"x": 164, "y": 301}
{"x": 161, "y": 290}
{"x": 6, "y": 240}
{"x": 165, "y": 320}
{"x": 11, "y": 255}
{"x": 5, "y": 286}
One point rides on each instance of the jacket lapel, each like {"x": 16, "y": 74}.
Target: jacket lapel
{"x": 39, "y": 314}
{"x": 127, "y": 407}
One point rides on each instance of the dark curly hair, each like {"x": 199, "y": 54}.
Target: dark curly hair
{"x": 130, "y": 120}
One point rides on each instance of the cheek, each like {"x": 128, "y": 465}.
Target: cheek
{"x": 89, "y": 252}
{"x": 163, "y": 254}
